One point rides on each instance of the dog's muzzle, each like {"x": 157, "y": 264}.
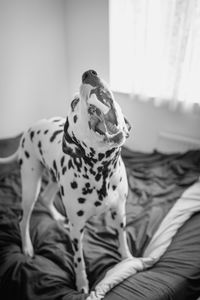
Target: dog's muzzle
{"x": 103, "y": 115}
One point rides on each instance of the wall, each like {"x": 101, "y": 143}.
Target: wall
{"x": 148, "y": 121}
{"x": 87, "y": 39}
{"x": 33, "y": 62}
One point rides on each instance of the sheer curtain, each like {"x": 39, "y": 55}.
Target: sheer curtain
{"x": 155, "y": 49}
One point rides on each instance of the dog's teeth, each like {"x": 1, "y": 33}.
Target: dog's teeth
{"x": 112, "y": 127}
{"x": 94, "y": 101}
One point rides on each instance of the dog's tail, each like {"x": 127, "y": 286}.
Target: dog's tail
{"x": 13, "y": 157}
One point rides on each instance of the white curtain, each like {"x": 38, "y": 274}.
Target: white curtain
{"x": 155, "y": 49}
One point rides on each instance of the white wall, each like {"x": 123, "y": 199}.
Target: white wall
{"x": 33, "y": 71}
{"x": 148, "y": 121}
{"x": 47, "y": 45}
{"x": 87, "y": 39}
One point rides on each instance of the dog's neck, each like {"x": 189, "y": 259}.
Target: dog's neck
{"x": 77, "y": 149}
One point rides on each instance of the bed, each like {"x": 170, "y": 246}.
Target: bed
{"x": 156, "y": 181}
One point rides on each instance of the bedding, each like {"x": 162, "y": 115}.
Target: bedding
{"x": 156, "y": 182}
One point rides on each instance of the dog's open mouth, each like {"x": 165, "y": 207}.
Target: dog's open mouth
{"x": 103, "y": 120}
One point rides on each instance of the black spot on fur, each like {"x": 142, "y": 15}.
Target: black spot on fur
{"x": 54, "y": 135}
{"x": 111, "y": 174}
{"x": 20, "y": 161}
{"x": 81, "y": 231}
{"x": 87, "y": 189}
{"x": 70, "y": 164}
{"x": 92, "y": 152}
{"x": 86, "y": 176}
{"x": 113, "y": 215}
{"x": 78, "y": 163}
{"x": 75, "y": 118}
{"x": 80, "y": 213}
{"x": 81, "y": 200}
{"x": 23, "y": 142}
{"x": 38, "y": 132}
{"x": 62, "y": 190}
{"x": 97, "y": 177}
{"x": 100, "y": 156}
{"x": 79, "y": 259}
{"x": 55, "y": 166}
{"x": 92, "y": 171}
{"x": 32, "y": 133}
{"x": 64, "y": 169}
{"x": 41, "y": 152}
{"x": 99, "y": 169}
{"x": 27, "y": 154}
{"x": 62, "y": 161}
{"x": 122, "y": 225}
{"x": 97, "y": 203}
{"x": 53, "y": 176}
{"x": 109, "y": 152}
{"x": 75, "y": 243}
{"x": 115, "y": 164}
{"x": 102, "y": 192}
{"x": 39, "y": 144}
{"x": 46, "y": 131}
{"x": 114, "y": 187}
{"x": 74, "y": 184}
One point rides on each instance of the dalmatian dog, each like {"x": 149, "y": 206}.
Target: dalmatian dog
{"x": 82, "y": 155}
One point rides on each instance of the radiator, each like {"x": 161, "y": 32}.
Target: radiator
{"x": 172, "y": 142}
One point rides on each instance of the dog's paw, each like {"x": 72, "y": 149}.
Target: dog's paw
{"x": 56, "y": 215}
{"x": 82, "y": 285}
{"x": 28, "y": 251}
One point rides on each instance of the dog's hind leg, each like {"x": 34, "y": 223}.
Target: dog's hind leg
{"x": 31, "y": 182}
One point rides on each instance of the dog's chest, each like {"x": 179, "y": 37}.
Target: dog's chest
{"x": 92, "y": 191}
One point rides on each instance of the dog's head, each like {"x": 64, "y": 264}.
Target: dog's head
{"x": 95, "y": 118}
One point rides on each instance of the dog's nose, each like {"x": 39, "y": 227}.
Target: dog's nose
{"x": 89, "y": 76}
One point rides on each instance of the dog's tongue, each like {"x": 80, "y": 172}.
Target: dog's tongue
{"x": 101, "y": 126}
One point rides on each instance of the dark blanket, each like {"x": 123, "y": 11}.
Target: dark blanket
{"x": 156, "y": 181}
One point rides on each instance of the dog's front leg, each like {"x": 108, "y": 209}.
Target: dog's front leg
{"x": 76, "y": 233}
{"x": 118, "y": 221}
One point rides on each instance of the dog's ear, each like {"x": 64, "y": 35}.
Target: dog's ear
{"x": 70, "y": 145}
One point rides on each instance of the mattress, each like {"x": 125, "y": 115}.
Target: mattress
{"x": 156, "y": 181}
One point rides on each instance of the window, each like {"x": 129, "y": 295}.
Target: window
{"x": 155, "y": 49}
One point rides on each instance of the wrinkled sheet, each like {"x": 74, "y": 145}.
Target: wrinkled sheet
{"x": 156, "y": 181}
